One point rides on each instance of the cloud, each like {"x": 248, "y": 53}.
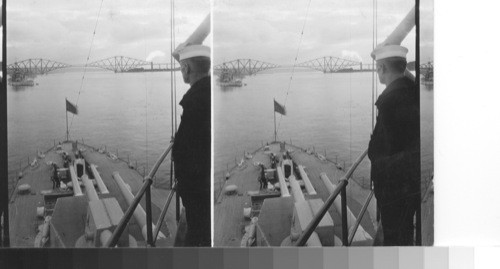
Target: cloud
{"x": 351, "y": 55}
{"x": 63, "y": 31}
{"x": 272, "y": 30}
{"x": 264, "y": 30}
{"x": 154, "y": 54}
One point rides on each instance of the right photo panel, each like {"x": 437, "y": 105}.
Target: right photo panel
{"x": 322, "y": 123}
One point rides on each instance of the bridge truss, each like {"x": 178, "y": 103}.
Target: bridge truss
{"x": 427, "y": 70}
{"x": 120, "y": 64}
{"x": 244, "y": 67}
{"x": 329, "y": 64}
{"x": 426, "y": 67}
{"x": 36, "y": 66}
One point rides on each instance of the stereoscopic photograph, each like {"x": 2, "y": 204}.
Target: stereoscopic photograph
{"x": 109, "y": 124}
{"x": 322, "y": 124}
{"x": 321, "y": 133}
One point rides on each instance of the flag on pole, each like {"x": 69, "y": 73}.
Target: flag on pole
{"x": 279, "y": 108}
{"x": 71, "y": 108}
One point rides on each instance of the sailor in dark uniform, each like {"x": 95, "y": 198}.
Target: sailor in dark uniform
{"x": 56, "y": 182}
{"x": 394, "y": 148}
{"x": 273, "y": 161}
{"x": 263, "y": 179}
{"x": 192, "y": 145}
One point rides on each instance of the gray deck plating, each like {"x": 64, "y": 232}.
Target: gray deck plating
{"x": 22, "y": 208}
{"x": 229, "y": 221}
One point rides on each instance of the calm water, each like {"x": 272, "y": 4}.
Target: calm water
{"x": 330, "y": 112}
{"x": 129, "y": 113}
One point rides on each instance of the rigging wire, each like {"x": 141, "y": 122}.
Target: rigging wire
{"x": 374, "y": 73}
{"x": 171, "y": 66}
{"x": 86, "y": 62}
{"x": 173, "y": 97}
{"x": 147, "y": 140}
{"x": 350, "y": 119}
{"x": 350, "y": 97}
{"x": 175, "y": 80}
{"x": 146, "y": 106}
{"x": 373, "y": 66}
{"x": 294, "y": 63}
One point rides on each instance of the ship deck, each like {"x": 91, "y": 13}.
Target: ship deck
{"x": 23, "y": 220}
{"x": 229, "y": 221}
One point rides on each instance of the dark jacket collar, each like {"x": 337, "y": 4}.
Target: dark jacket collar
{"x": 402, "y": 82}
{"x": 195, "y": 90}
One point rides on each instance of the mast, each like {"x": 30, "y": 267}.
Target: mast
{"x": 172, "y": 86}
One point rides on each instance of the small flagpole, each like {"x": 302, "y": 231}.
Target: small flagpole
{"x": 275, "y": 126}
{"x": 274, "y": 121}
{"x": 67, "y": 130}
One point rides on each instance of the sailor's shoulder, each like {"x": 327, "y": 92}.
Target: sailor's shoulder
{"x": 399, "y": 94}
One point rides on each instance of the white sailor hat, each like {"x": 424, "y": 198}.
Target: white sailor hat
{"x": 382, "y": 52}
{"x": 194, "y": 51}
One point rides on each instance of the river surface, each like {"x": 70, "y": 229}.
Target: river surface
{"x": 329, "y": 113}
{"x": 129, "y": 113}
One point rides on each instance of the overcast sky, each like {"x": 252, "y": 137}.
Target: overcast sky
{"x": 270, "y": 30}
{"x": 61, "y": 30}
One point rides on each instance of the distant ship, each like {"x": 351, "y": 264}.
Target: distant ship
{"x": 19, "y": 78}
{"x": 427, "y": 74}
{"x": 227, "y": 79}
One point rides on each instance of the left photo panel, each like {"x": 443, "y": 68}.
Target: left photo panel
{"x": 108, "y": 117}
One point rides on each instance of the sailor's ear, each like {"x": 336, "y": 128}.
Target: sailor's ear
{"x": 187, "y": 68}
{"x": 384, "y": 68}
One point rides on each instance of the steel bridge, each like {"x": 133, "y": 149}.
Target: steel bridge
{"x": 330, "y": 64}
{"x": 116, "y": 64}
{"x": 327, "y": 64}
{"x": 120, "y": 64}
{"x": 244, "y": 67}
{"x": 427, "y": 67}
{"x": 36, "y": 66}
{"x": 424, "y": 68}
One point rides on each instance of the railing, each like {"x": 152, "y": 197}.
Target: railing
{"x": 145, "y": 190}
{"x": 164, "y": 212}
{"x": 341, "y": 189}
{"x": 360, "y": 217}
